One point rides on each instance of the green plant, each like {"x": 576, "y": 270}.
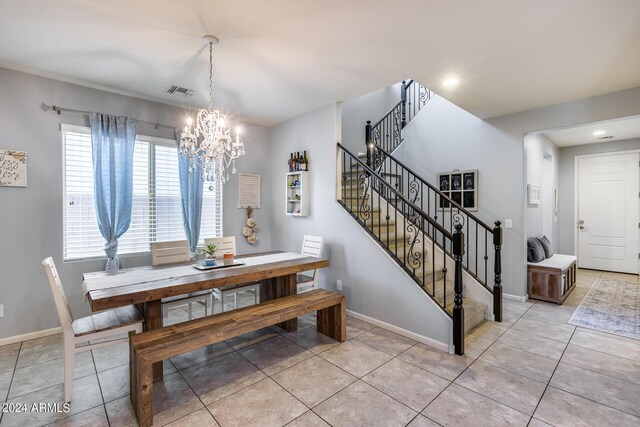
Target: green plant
{"x": 209, "y": 249}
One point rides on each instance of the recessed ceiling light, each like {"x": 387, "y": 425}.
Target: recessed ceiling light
{"x": 599, "y": 132}
{"x": 450, "y": 82}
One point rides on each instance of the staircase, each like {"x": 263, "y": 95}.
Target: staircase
{"x": 444, "y": 248}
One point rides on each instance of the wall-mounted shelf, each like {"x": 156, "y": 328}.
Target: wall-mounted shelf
{"x": 297, "y": 193}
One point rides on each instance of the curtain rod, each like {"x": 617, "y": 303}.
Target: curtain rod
{"x": 60, "y": 110}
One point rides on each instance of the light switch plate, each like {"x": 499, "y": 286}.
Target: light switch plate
{"x": 508, "y": 223}
{"x": 339, "y": 285}
{"x": 1, "y": 310}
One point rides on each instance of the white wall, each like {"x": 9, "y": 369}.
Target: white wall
{"x": 31, "y": 218}
{"x": 567, "y": 184}
{"x": 542, "y": 168}
{"x": 373, "y": 283}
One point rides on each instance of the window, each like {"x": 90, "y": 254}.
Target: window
{"x": 157, "y": 211}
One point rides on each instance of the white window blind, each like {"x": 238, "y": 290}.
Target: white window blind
{"x": 156, "y": 213}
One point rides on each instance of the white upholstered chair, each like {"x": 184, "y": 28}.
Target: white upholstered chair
{"x": 227, "y": 246}
{"x": 110, "y": 323}
{"x": 311, "y": 246}
{"x": 170, "y": 253}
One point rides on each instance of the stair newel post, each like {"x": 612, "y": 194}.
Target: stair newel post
{"x": 403, "y": 106}
{"x": 368, "y": 140}
{"x": 497, "y": 270}
{"x": 458, "y": 310}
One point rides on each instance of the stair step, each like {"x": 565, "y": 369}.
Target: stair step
{"x": 473, "y": 313}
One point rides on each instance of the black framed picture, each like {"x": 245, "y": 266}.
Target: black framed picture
{"x": 459, "y": 187}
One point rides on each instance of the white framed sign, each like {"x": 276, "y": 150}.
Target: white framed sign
{"x": 249, "y": 190}
{"x": 533, "y": 194}
{"x": 13, "y": 168}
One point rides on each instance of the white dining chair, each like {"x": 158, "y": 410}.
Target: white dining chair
{"x": 227, "y": 246}
{"x": 175, "y": 252}
{"x": 311, "y": 246}
{"x": 100, "y": 326}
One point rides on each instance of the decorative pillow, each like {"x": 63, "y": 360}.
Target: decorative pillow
{"x": 546, "y": 245}
{"x": 535, "y": 251}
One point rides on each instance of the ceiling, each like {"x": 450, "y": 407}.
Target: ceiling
{"x": 280, "y": 58}
{"x": 614, "y": 130}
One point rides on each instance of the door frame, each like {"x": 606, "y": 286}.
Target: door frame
{"x": 576, "y": 189}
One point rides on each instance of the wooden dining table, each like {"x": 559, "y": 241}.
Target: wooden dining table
{"x": 146, "y": 286}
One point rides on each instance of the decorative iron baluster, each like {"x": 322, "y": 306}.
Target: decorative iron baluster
{"x": 364, "y": 209}
{"x": 413, "y": 256}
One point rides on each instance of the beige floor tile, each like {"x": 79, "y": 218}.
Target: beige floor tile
{"x": 308, "y": 419}
{"x": 199, "y": 418}
{"x": 609, "y": 391}
{"x": 490, "y": 331}
{"x": 543, "y": 313}
{"x": 313, "y": 380}
{"x": 362, "y": 405}
{"x": 532, "y": 343}
{"x": 172, "y": 400}
{"x": 312, "y": 340}
{"x": 222, "y": 377}
{"x": 406, "y": 383}
{"x": 111, "y": 356}
{"x": 85, "y": 395}
{"x": 251, "y": 338}
{"x": 560, "y": 333}
{"x": 607, "y": 343}
{"x": 446, "y": 365}
{"x": 422, "y": 421}
{"x": 631, "y": 278}
{"x": 40, "y": 350}
{"x": 96, "y": 417}
{"x": 356, "y": 327}
{"x": 356, "y": 357}
{"x": 603, "y": 363}
{"x": 459, "y": 407}
{"x": 530, "y": 365}
{"x": 474, "y": 346}
{"x": 114, "y": 382}
{"x": 201, "y": 355}
{"x": 5, "y": 381}
{"x": 8, "y": 357}
{"x": 263, "y": 404}
{"x": 511, "y": 389}
{"x": 537, "y": 423}
{"x": 386, "y": 341}
{"x": 274, "y": 355}
{"x": 47, "y": 374}
{"x": 563, "y": 409}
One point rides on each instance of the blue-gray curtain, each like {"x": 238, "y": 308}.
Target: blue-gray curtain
{"x": 191, "y": 185}
{"x": 113, "y": 140}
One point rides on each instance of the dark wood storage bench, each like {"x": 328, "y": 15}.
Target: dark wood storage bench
{"x": 552, "y": 279}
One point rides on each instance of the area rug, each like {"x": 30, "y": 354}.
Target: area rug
{"x": 611, "y": 306}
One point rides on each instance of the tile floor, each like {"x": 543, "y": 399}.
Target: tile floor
{"x": 532, "y": 369}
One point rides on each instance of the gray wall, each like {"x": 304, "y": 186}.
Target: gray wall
{"x": 373, "y": 283}
{"x": 542, "y": 169}
{"x": 567, "y": 184}
{"x": 31, "y": 218}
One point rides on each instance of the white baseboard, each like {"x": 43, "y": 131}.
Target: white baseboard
{"x": 515, "y": 297}
{"x": 400, "y": 331}
{"x": 30, "y": 336}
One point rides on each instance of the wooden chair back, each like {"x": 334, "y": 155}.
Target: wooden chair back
{"x": 312, "y": 246}
{"x": 62, "y": 306}
{"x": 225, "y": 245}
{"x": 170, "y": 252}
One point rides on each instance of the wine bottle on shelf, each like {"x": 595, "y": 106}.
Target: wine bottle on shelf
{"x": 297, "y": 161}
{"x": 291, "y": 163}
{"x": 305, "y": 162}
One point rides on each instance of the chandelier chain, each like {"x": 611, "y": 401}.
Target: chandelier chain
{"x": 210, "y": 76}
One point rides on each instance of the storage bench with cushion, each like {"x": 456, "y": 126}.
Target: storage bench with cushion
{"x": 552, "y": 279}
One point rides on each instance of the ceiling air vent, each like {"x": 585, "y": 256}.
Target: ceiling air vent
{"x": 606, "y": 137}
{"x": 178, "y": 90}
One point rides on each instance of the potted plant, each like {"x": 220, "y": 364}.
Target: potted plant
{"x": 209, "y": 251}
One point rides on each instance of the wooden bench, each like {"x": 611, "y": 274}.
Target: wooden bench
{"x": 552, "y": 279}
{"x": 157, "y": 345}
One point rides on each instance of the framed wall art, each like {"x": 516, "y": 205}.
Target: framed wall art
{"x": 13, "y": 168}
{"x": 533, "y": 194}
{"x": 459, "y": 186}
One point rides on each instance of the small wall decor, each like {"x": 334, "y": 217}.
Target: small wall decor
{"x": 13, "y": 168}
{"x": 533, "y": 194}
{"x": 249, "y": 190}
{"x": 459, "y": 186}
{"x": 251, "y": 229}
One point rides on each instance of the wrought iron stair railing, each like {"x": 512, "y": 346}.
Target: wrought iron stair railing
{"x": 399, "y": 225}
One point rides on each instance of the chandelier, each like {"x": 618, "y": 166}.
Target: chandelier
{"x": 208, "y": 141}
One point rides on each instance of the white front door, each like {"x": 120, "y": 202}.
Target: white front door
{"x": 608, "y": 195}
